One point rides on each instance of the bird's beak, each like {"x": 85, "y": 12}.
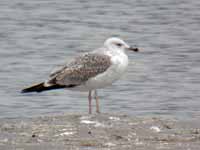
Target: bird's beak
{"x": 135, "y": 49}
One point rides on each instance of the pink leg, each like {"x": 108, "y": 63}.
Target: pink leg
{"x": 90, "y": 102}
{"x": 97, "y": 101}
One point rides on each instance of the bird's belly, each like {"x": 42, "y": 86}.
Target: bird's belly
{"x": 102, "y": 80}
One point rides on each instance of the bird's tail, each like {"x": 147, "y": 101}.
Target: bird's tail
{"x": 41, "y": 87}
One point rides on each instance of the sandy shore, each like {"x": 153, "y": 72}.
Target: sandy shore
{"x": 98, "y": 132}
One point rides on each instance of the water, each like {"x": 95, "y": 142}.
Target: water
{"x": 163, "y": 79}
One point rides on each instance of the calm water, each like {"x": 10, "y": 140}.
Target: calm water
{"x": 164, "y": 79}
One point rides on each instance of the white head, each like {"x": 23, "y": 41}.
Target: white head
{"x": 118, "y": 44}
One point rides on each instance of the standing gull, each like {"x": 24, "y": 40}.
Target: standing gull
{"x": 89, "y": 71}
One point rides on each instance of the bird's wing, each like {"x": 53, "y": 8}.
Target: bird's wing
{"x": 80, "y": 69}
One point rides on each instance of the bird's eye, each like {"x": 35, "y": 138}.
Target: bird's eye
{"x": 118, "y": 44}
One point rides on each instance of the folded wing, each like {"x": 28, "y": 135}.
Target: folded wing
{"x": 80, "y": 69}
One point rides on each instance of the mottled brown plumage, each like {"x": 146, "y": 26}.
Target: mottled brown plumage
{"x": 81, "y": 69}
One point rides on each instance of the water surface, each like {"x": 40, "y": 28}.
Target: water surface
{"x": 163, "y": 79}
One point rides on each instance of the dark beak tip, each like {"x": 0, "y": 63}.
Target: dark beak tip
{"x": 134, "y": 49}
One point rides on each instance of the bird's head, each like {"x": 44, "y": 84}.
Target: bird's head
{"x": 117, "y": 43}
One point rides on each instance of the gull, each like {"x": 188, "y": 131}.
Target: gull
{"x": 89, "y": 71}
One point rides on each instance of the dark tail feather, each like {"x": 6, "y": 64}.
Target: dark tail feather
{"x": 40, "y": 88}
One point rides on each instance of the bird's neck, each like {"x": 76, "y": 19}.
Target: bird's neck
{"x": 116, "y": 50}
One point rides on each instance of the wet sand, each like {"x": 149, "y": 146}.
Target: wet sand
{"x": 98, "y": 132}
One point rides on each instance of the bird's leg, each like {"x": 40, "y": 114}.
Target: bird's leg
{"x": 90, "y": 102}
{"x": 97, "y": 101}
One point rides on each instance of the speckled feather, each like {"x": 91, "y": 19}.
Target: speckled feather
{"x": 80, "y": 69}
